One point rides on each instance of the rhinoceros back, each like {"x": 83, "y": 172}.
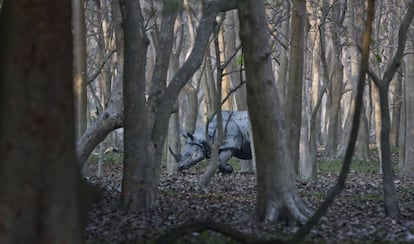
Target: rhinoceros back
{"x": 237, "y": 136}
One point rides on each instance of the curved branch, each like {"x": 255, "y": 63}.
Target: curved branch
{"x": 93, "y": 76}
{"x": 200, "y": 226}
{"x": 402, "y": 37}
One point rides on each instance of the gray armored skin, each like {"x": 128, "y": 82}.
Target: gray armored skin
{"x": 236, "y": 142}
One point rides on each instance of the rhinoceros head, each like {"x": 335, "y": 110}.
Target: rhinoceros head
{"x": 195, "y": 150}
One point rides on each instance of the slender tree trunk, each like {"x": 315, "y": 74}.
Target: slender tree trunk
{"x": 225, "y": 85}
{"x": 236, "y": 75}
{"x": 284, "y": 61}
{"x": 294, "y": 87}
{"x": 390, "y": 195}
{"x": 215, "y": 146}
{"x": 396, "y": 111}
{"x": 309, "y": 134}
{"x": 79, "y": 65}
{"x": 277, "y": 196}
{"x": 335, "y": 74}
{"x": 396, "y": 83}
{"x": 174, "y": 123}
{"x": 79, "y": 72}
{"x": 408, "y": 156}
{"x": 40, "y": 190}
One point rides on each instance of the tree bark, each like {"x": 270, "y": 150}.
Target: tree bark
{"x": 407, "y": 168}
{"x": 293, "y": 109}
{"x": 138, "y": 183}
{"x": 277, "y": 196}
{"x": 335, "y": 74}
{"x": 390, "y": 195}
{"x": 39, "y": 190}
{"x": 79, "y": 66}
{"x": 284, "y": 60}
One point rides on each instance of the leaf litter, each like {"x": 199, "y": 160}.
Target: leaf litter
{"x": 357, "y": 215}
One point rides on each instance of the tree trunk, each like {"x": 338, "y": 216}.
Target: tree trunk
{"x": 236, "y": 75}
{"x": 407, "y": 162}
{"x": 217, "y": 110}
{"x": 284, "y": 60}
{"x": 309, "y": 135}
{"x": 174, "y": 123}
{"x": 408, "y": 156}
{"x": 138, "y": 185}
{"x": 79, "y": 66}
{"x": 40, "y": 178}
{"x": 225, "y": 83}
{"x": 79, "y": 72}
{"x": 396, "y": 87}
{"x": 277, "y": 195}
{"x": 390, "y": 195}
{"x": 293, "y": 109}
{"x": 335, "y": 74}
{"x": 111, "y": 118}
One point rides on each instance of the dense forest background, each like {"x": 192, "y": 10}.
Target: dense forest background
{"x": 323, "y": 81}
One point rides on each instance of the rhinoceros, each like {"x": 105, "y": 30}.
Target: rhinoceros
{"x": 236, "y": 142}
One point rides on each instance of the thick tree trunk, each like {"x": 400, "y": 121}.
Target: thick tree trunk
{"x": 138, "y": 184}
{"x": 277, "y": 196}
{"x": 39, "y": 193}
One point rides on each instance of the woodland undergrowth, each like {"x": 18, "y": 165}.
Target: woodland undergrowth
{"x": 356, "y": 216}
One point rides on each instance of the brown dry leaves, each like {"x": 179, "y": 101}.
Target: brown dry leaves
{"x": 357, "y": 215}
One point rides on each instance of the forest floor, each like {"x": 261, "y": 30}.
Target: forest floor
{"x": 356, "y": 216}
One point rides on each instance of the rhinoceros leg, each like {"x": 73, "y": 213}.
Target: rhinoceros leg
{"x": 225, "y": 167}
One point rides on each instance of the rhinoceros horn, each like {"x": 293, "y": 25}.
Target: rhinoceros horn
{"x": 176, "y": 156}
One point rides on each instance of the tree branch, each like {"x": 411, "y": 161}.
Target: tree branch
{"x": 232, "y": 91}
{"x": 93, "y": 77}
{"x": 200, "y": 226}
{"x": 374, "y": 77}
{"x": 192, "y": 63}
{"x": 402, "y": 37}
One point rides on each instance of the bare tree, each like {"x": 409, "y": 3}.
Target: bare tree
{"x": 338, "y": 187}
{"x": 334, "y": 71}
{"x": 277, "y": 196}
{"x": 293, "y": 109}
{"x": 390, "y": 195}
